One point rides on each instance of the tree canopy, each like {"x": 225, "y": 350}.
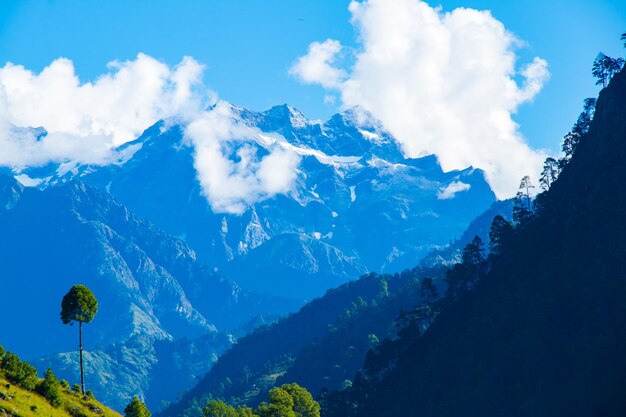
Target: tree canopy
{"x": 289, "y": 400}
{"x": 79, "y": 304}
{"x": 604, "y": 68}
{"x": 136, "y": 408}
{"x": 50, "y": 388}
{"x": 19, "y": 372}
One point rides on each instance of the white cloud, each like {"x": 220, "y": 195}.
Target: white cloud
{"x": 442, "y": 83}
{"x": 85, "y": 121}
{"x": 449, "y": 191}
{"x": 233, "y": 183}
{"x": 317, "y": 65}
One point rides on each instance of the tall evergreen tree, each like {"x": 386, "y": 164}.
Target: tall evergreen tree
{"x": 581, "y": 127}
{"x": 136, "y": 408}
{"x": 604, "y": 67}
{"x": 570, "y": 142}
{"x": 522, "y": 203}
{"x": 586, "y": 116}
{"x": 473, "y": 261}
{"x": 50, "y": 388}
{"x": 501, "y": 230}
{"x": 79, "y": 305}
{"x": 428, "y": 291}
{"x": 19, "y": 372}
{"x": 474, "y": 252}
{"x": 550, "y": 173}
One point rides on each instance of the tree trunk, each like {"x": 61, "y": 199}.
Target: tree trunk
{"x": 80, "y": 351}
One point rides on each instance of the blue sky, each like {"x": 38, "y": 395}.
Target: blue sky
{"x": 248, "y": 46}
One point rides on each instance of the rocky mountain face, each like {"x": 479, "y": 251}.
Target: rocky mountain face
{"x": 357, "y": 204}
{"x": 326, "y": 342}
{"x": 150, "y": 285}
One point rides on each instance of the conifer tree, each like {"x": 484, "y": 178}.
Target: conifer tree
{"x": 136, "y": 408}
{"x": 570, "y": 142}
{"x": 501, "y": 230}
{"x": 604, "y": 68}
{"x": 473, "y": 258}
{"x": 19, "y": 372}
{"x": 79, "y": 305}
{"x": 522, "y": 202}
{"x": 303, "y": 403}
{"x": 585, "y": 117}
{"x": 428, "y": 291}
{"x": 549, "y": 174}
{"x": 50, "y": 388}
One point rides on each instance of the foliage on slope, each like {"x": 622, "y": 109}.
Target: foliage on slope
{"x": 321, "y": 346}
{"x": 544, "y": 330}
{"x": 23, "y": 394}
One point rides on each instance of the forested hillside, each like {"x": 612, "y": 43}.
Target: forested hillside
{"x": 537, "y": 329}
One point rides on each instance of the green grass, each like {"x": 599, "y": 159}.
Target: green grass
{"x": 22, "y": 403}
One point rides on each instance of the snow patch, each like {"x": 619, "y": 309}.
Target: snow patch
{"x": 371, "y": 136}
{"x": 125, "y": 153}
{"x": 353, "y": 193}
{"x": 27, "y": 181}
{"x": 381, "y": 163}
{"x": 267, "y": 141}
{"x": 66, "y": 167}
{"x": 296, "y": 118}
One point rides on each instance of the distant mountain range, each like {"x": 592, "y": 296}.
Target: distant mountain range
{"x": 177, "y": 281}
{"x": 357, "y": 204}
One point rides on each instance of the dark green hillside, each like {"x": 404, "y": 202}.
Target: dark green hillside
{"x": 321, "y": 346}
{"x": 543, "y": 333}
{"x": 324, "y": 344}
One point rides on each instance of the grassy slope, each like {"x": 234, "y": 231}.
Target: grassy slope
{"x": 20, "y": 403}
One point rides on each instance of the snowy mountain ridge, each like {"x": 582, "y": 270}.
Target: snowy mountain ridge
{"x": 353, "y": 190}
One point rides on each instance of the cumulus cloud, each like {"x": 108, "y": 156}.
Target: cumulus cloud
{"x": 85, "y": 122}
{"x": 233, "y": 169}
{"x": 442, "y": 83}
{"x": 449, "y": 191}
{"x": 317, "y": 65}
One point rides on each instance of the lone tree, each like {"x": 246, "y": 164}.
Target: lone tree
{"x": 80, "y": 305}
